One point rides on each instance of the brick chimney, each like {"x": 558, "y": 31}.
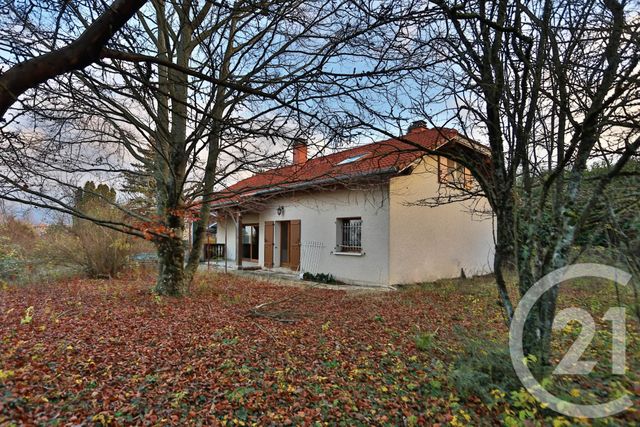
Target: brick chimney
{"x": 299, "y": 152}
{"x": 418, "y": 124}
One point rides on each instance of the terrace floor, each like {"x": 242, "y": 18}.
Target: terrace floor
{"x": 280, "y": 275}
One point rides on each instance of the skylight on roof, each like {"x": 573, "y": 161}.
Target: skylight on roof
{"x": 352, "y": 159}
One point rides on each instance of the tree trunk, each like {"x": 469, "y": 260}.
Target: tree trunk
{"x": 536, "y": 337}
{"x": 213, "y": 143}
{"x": 503, "y": 257}
{"x": 171, "y": 279}
{"x": 171, "y": 156}
{"x": 171, "y": 249}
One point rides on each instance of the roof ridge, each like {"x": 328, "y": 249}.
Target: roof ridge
{"x": 346, "y": 150}
{"x": 374, "y": 157}
{"x": 298, "y": 167}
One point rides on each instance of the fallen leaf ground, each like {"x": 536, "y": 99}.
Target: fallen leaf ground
{"x": 110, "y": 352}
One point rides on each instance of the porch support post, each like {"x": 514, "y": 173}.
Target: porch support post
{"x": 225, "y": 254}
{"x": 239, "y": 241}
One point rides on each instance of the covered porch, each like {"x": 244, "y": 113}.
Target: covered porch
{"x": 252, "y": 240}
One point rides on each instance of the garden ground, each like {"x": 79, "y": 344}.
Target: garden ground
{"x": 110, "y": 352}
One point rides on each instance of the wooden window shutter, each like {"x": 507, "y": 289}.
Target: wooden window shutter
{"x": 268, "y": 244}
{"x": 294, "y": 257}
{"x": 442, "y": 170}
{"x": 468, "y": 179}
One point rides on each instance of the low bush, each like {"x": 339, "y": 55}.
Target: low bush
{"x": 17, "y": 241}
{"x": 484, "y": 366}
{"x": 99, "y": 252}
{"x": 320, "y": 278}
{"x": 11, "y": 260}
{"x": 424, "y": 341}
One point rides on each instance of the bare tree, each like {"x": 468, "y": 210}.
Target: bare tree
{"x": 210, "y": 88}
{"x": 549, "y": 86}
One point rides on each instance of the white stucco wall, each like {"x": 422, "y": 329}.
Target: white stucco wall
{"x": 428, "y": 243}
{"x": 225, "y": 223}
{"x": 318, "y": 212}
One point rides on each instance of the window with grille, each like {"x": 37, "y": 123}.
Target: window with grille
{"x": 349, "y": 234}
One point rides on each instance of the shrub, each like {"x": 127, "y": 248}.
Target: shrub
{"x": 424, "y": 340}
{"x": 17, "y": 240}
{"x": 97, "y": 251}
{"x": 320, "y": 277}
{"x": 11, "y": 261}
{"x": 19, "y": 233}
{"x": 484, "y": 366}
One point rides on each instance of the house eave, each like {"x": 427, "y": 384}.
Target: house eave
{"x": 252, "y": 195}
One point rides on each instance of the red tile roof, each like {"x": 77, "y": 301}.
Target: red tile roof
{"x": 379, "y": 158}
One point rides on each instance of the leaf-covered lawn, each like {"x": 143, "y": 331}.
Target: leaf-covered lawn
{"x": 110, "y": 352}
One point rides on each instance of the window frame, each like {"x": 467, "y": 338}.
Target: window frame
{"x": 454, "y": 174}
{"x": 355, "y": 246}
{"x": 253, "y": 227}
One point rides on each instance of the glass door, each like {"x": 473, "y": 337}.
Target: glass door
{"x": 285, "y": 243}
{"x": 250, "y": 242}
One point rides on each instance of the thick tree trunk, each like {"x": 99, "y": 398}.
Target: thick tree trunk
{"x": 171, "y": 249}
{"x": 503, "y": 259}
{"x": 536, "y": 338}
{"x": 171, "y": 155}
{"x": 171, "y": 278}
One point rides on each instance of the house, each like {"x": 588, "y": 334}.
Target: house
{"x": 354, "y": 214}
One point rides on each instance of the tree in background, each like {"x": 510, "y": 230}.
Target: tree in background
{"x": 98, "y": 251}
{"x": 140, "y": 185}
{"x": 621, "y": 199}
{"x": 92, "y": 197}
{"x": 613, "y": 224}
